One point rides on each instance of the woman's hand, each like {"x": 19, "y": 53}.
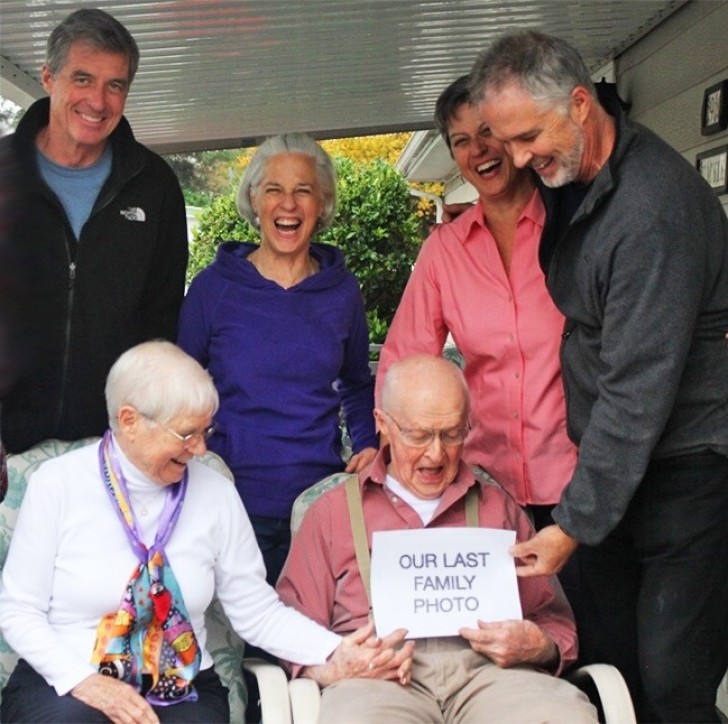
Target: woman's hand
{"x": 361, "y": 460}
{"x": 362, "y": 655}
{"x": 116, "y": 699}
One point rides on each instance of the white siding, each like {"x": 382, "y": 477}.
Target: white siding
{"x": 666, "y": 73}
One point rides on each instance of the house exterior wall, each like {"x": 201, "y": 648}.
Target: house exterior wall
{"x": 665, "y": 75}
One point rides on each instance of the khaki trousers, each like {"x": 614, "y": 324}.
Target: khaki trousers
{"x": 452, "y": 684}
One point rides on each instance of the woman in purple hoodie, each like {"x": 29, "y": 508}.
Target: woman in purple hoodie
{"x": 281, "y": 327}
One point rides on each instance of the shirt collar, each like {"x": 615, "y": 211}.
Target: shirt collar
{"x": 376, "y": 474}
{"x": 534, "y": 212}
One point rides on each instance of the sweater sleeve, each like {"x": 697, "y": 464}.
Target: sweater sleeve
{"x": 27, "y": 586}
{"x": 653, "y": 283}
{"x": 307, "y": 581}
{"x": 253, "y": 607}
{"x": 194, "y": 331}
{"x": 355, "y": 383}
{"x": 418, "y": 326}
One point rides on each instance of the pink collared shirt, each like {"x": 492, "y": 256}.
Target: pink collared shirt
{"x": 509, "y": 332}
{"x": 321, "y": 575}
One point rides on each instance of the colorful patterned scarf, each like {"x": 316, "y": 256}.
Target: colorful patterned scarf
{"x": 151, "y": 632}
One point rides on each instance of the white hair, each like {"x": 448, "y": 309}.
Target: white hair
{"x": 160, "y": 381}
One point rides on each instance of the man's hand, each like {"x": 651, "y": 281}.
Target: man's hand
{"x": 364, "y": 656}
{"x": 450, "y": 212}
{"x": 116, "y": 699}
{"x": 510, "y": 643}
{"x": 361, "y": 460}
{"x": 545, "y": 553}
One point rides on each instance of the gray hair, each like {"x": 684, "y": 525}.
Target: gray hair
{"x": 99, "y": 29}
{"x": 547, "y": 68}
{"x": 160, "y": 381}
{"x": 289, "y": 143}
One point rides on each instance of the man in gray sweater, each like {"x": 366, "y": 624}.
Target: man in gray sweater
{"x": 635, "y": 252}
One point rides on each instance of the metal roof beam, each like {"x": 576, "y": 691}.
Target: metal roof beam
{"x": 17, "y": 86}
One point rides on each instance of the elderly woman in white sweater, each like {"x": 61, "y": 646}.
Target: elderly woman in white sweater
{"x": 118, "y": 550}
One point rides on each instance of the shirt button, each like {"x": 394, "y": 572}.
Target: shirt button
{"x": 517, "y": 456}
{"x": 517, "y": 374}
{"x": 514, "y": 415}
{"x": 510, "y": 337}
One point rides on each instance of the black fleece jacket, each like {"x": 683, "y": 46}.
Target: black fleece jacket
{"x": 85, "y": 301}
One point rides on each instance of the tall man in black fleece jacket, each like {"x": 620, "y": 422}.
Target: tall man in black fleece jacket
{"x": 98, "y": 234}
{"x": 635, "y": 252}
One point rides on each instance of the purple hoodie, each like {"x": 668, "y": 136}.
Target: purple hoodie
{"x": 284, "y": 361}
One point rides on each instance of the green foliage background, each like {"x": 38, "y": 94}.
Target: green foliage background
{"x": 376, "y": 226}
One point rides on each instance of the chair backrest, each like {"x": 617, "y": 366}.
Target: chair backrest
{"x": 20, "y": 468}
{"x": 304, "y": 500}
{"x": 224, "y": 645}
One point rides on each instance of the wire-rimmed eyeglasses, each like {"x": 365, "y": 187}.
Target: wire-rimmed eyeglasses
{"x": 421, "y": 437}
{"x": 203, "y": 435}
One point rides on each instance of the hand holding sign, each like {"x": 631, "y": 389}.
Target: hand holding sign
{"x": 544, "y": 554}
{"x": 509, "y": 643}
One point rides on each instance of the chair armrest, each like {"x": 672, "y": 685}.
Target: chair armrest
{"x": 613, "y": 692}
{"x": 275, "y": 703}
{"x": 305, "y": 701}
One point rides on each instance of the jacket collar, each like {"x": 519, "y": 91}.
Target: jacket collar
{"x": 128, "y": 155}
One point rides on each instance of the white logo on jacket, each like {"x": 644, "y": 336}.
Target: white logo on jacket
{"x": 134, "y": 213}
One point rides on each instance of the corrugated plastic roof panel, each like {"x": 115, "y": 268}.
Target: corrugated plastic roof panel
{"x": 225, "y": 73}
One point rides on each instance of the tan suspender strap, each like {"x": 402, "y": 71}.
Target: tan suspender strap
{"x": 359, "y": 528}
{"x": 359, "y": 532}
{"x": 471, "y": 506}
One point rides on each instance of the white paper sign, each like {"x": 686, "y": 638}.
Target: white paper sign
{"x": 435, "y": 581}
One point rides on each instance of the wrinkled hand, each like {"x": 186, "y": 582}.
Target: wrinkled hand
{"x": 509, "y": 643}
{"x": 361, "y": 460}
{"x": 362, "y": 655}
{"x": 116, "y": 699}
{"x": 545, "y": 553}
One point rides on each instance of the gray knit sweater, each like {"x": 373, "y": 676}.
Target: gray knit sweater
{"x": 641, "y": 275}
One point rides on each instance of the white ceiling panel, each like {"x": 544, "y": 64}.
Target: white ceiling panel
{"x": 224, "y": 73}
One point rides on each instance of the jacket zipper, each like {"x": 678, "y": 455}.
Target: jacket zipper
{"x": 67, "y": 335}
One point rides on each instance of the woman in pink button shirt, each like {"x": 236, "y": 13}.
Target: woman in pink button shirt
{"x": 478, "y": 278}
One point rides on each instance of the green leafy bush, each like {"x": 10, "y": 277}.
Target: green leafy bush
{"x": 217, "y": 222}
{"x": 376, "y": 227}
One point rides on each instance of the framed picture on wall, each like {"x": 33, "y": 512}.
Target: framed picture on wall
{"x": 714, "y": 117}
{"x": 713, "y": 167}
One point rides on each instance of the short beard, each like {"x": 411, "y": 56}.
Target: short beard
{"x": 569, "y": 164}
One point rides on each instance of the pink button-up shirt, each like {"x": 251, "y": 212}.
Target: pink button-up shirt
{"x": 508, "y": 331}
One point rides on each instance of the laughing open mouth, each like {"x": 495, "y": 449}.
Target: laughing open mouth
{"x": 485, "y": 168}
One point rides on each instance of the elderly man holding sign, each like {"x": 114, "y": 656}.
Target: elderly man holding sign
{"x": 465, "y": 669}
